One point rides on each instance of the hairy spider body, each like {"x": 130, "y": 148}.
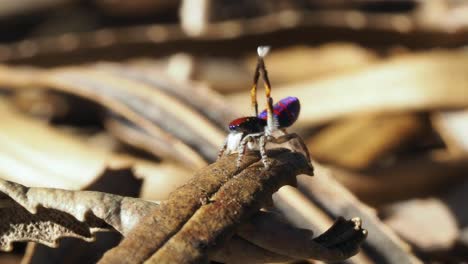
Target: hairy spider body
{"x": 254, "y": 132}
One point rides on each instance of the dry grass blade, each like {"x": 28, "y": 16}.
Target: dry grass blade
{"x": 453, "y": 128}
{"x": 414, "y": 221}
{"x": 413, "y": 177}
{"x": 209, "y": 206}
{"x": 168, "y": 112}
{"x": 413, "y": 82}
{"x": 328, "y": 60}
{"x": 303, "y": 213}
{"x": 195, "y": 95}
{"x": 125, "y": 99}
{"x": 357, "y": 143}
{"x": 45, "y": 215}
{"x": 69, "y": 163}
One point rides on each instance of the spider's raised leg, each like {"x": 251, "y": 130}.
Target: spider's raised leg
{"x": 263, "y": 154}
{"x": 272, "y": 122}
{"x": 285, "y": 138}
{"x": 253, "y": 91}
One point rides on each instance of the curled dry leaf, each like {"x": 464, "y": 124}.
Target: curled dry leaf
{"x": 339, "y": 242}
{"x": 45, "y": 215}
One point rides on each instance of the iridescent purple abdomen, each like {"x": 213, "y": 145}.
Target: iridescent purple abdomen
{"x": 286, "y": 110}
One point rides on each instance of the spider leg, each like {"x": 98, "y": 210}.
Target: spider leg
{"x": 285, "y": 138}
{"x": 241, "y": 150}
{"x": 284, "y": 132}
{"x": 243, "y": 146}
{"x": 263, "y": 154}
{"x": 223, "y": 148}
{"x": 253, "y": 90}
{"x": 272, "y": 123}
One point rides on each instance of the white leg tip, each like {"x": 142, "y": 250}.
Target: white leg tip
{"x": 263, "y": 51}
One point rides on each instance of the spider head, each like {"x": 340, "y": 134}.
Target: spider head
{"x": 249, "y": 124}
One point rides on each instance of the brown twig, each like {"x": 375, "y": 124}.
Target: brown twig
{"x": 207, "y": 208}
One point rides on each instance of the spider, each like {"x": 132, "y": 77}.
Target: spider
{"x": 254, "y": 132}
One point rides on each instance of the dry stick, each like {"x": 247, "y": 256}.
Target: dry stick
{"x": 235, "y": 202}
{"x": 384, "y": 245}
{"x": 155, "y": 229}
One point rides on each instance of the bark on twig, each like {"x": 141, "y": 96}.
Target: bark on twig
{"x": 233, "y": 203}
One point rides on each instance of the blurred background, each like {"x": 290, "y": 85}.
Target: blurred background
{"x": 147, "y": 88}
